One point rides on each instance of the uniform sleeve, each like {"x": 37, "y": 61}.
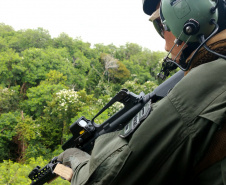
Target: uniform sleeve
{"x": 109, "y": 154}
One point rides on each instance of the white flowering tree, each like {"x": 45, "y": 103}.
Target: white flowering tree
{"x": 136, "y": 88}
{"x": 66, "y": 98}
{"x": 65, "y": 105}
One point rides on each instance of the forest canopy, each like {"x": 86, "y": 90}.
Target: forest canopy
{"x": 48, "y": 83}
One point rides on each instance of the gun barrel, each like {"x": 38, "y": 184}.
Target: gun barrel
{"x": 45, "y": 174}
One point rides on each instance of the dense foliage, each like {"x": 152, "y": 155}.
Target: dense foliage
{"x": 47, "y": 83}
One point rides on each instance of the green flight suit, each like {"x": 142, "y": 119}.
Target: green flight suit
{"x": 168, "y": 145}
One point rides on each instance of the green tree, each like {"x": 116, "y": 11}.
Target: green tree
{"x": 84, "y": 47}
{"x": 64, "y": 41}
{"x": 9, "y": 99}
{"x": 38, "y": 62}
{"x": 17, "y": 130}
{"x": 6, "y": 30}
{"x": 81, "y": 63}
{"x": 9, "y": 73}
{"x": 95, "y": 75}
{"x": 8, "y": 149}
{"x": 28, "y": 70}
{"x": 3, "y": 44}
{"x": 137, "y": 88}
{"x": 6, "y": 33}
{"x": 38, "y": 98}
{"x": 109, "y": 49}
{"x": 138, "y": 72}
{"x": 25, "y": 39}
{"x": 113, "y": 69}
{"x": 119, "y": 74}
{"x": 55, "y": 77}
{"x": 73, "y": 45}
{"x": 125, "y": 52}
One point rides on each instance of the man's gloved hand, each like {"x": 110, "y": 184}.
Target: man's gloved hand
{"x": 72, "y": 157}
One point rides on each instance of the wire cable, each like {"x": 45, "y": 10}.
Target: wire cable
{"x": 210, "y": 50}
{"x": 199, "y": 47}
{"x": 213, "y": 9}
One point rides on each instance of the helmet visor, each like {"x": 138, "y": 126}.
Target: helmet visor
{"x": 155, "y": 19}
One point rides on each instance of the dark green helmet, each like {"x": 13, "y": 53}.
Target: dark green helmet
{"x": 187, "y": 19}
{"x": 191, "y": 21}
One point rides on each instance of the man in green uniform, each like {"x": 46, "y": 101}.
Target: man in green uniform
{"x": 183, "y": 140}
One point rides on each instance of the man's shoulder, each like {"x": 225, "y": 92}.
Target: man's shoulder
{"x": 204, "y": 78}
{"x": 199, "y": 88}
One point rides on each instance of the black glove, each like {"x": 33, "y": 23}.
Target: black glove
{"x": 72, "y": 157}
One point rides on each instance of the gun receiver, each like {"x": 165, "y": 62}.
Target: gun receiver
{"x": 85, "y": 131}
